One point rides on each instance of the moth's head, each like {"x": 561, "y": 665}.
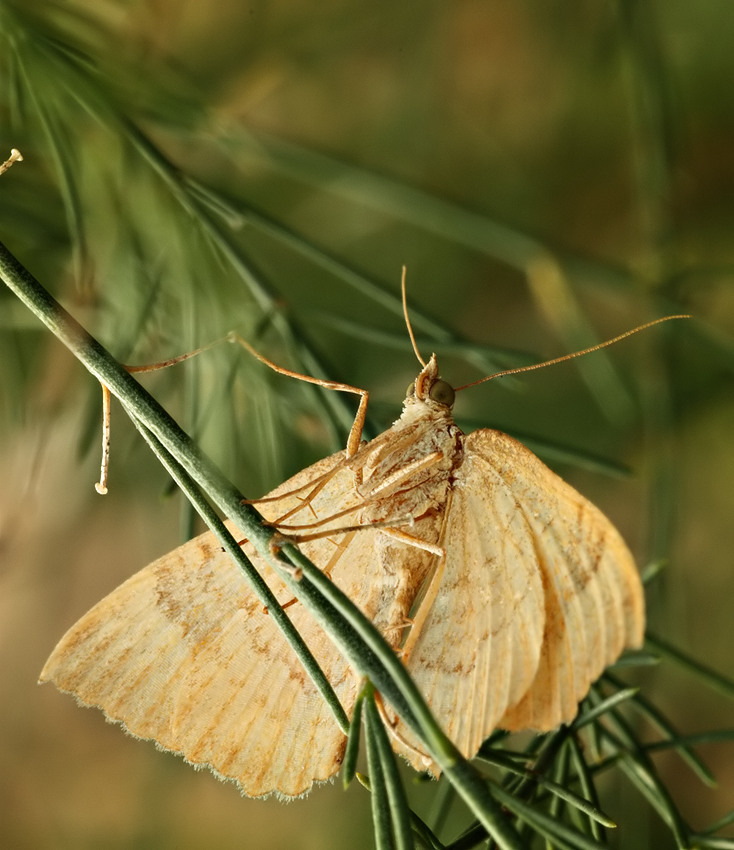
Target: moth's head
{"x": 431, "y": 389}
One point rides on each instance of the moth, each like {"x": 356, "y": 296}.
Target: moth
{"x": 505, "y": 592}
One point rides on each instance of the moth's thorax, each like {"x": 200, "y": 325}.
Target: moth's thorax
{"x": 430, "y": 412}
{"x": 407, "y": 470}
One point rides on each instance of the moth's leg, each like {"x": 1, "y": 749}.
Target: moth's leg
{"x": 101, "y": 485}
{"x": 291, "y": 534}
{"x": 406, "y": 473}
{"x": 416, "y": 622}
{"x": 391, "y": 724}
{"x": 295, "y": 530}
{"x": 347, "y": 533}
{"x": 172, "y": 361}
{"x": 318, "y": 483}
{"x": 355, "y": 433}
{"x": 15, "y": 156}
{"x": 397, "y": 478}
{"x": 340, "y": 547}
{"x": 412, "y": 540}
{"x": 428, "y": 594}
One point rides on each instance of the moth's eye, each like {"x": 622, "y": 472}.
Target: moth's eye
{"x": 411, "y": 389}
{"x": 442, "y": 392}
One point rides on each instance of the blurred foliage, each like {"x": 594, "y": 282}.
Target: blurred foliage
{"x": 550, "y": 173}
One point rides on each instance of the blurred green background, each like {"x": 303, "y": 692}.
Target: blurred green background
{"x": 551, "y": 173}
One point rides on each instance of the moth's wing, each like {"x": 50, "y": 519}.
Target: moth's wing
{"x": 539, "y": 594}
{"x": 478, "y": 649}
{"x": 183, "y": 653}
{"x": 594, "y": 601}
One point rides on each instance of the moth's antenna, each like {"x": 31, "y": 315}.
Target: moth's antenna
{"x": 407, "y": 321}
{"x": 571, "y": 356}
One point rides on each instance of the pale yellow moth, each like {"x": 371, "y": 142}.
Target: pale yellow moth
{"x": 505, "y": 592}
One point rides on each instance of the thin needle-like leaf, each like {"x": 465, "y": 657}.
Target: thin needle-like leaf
{"x": 557, "y": 789}
{"x": 396, "y": 799}
{"x": 587, "y": 785}
{"x": 380, "y": 802}
{"x": 590, "y": 715}
{"x": 663, "y": 725}
{"x": 349, "y": 767}
{"x": 638, "y": 768}
{"x": 711, "y": 677}
{"x": 556, "y": 831}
